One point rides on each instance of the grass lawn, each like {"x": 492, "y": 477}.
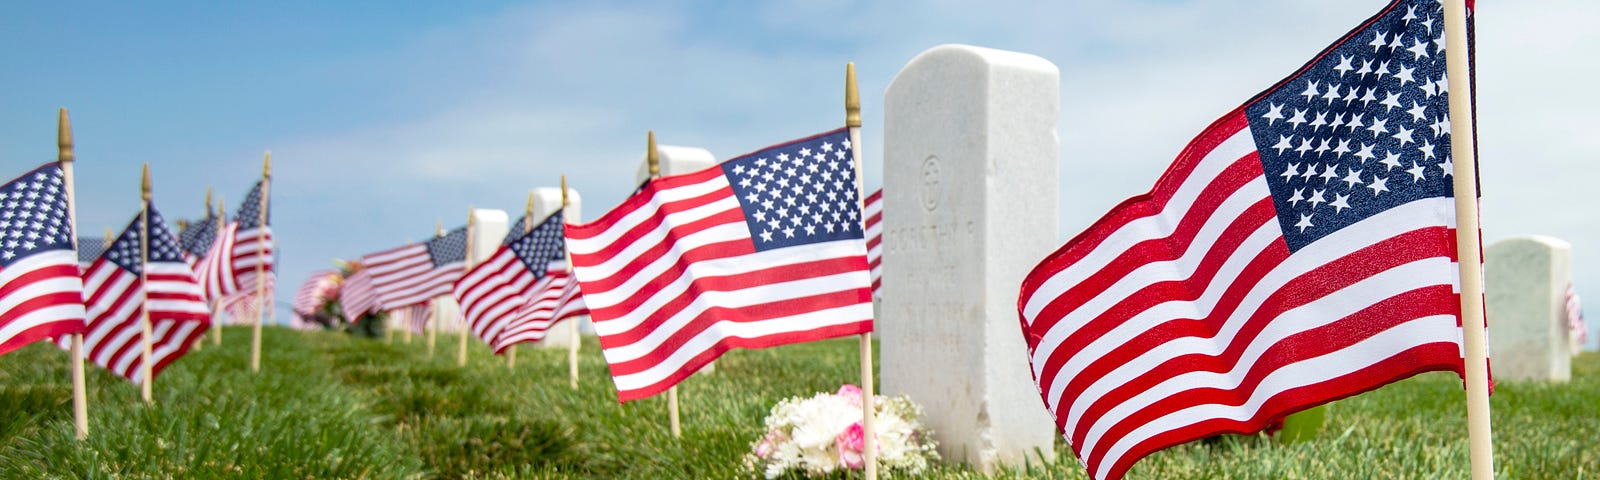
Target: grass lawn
{"x": 328, "y": 405}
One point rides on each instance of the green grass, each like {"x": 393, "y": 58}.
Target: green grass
{"x": 328, "y": 405}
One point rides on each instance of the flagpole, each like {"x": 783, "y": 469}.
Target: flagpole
{"x": 527, "y": 226}
{"x": 852, "y": 119}
{"x": 222, "y": 224}
{"x": 200, "y": 341}
{"x": 261, "y": 266}
{"x": 461, "y": 350}
{"x": 80, "y": 396}
{"x": 572, "y": 333}
{"x": 1468, "y": 241}
{"x": 433, "y": 312}
{"x": 146, "y": 389}
{"x": 653, "y": 161}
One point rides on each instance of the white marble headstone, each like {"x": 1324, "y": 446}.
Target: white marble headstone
{"x": 970, "y": 173}
{"x": 547, "y": 200}
{"x": 1526, "y": 281}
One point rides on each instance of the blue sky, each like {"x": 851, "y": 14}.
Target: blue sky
{"x": 386, "y": 116}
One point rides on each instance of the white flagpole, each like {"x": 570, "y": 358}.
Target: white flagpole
{"x": 261, "y": 267}
{"x": 146, "y": 387}
{"x": 461, "y": 349}
{"x": 572, "y": 338}
{"x": 852, "y": 119}
{"x": 1468, "y": 242}
{"x": 653, "y": 160}
{"x": 80, "y": 397}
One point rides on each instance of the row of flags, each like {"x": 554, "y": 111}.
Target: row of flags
{"x": 109, "y": 287}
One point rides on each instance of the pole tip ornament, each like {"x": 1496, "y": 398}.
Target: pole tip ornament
{"x": 208, "y": 200}
{"x": 438, "y": 228}
{"x": 563, "y": 190}
{"x": 528, "y": 212}
{"x": 852, "y": 97}
{"x": 144, "y": 184}
{"x": 64, "y": 137}
{"x": 652, "y": 157}
{"x": 266, "y": 165}
{"x": 470, "y": 216}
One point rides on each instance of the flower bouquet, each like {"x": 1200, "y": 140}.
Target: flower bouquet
{"x": 821, "y": 434}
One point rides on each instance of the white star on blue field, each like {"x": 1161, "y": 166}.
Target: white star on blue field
{"x": 385, "y": 118}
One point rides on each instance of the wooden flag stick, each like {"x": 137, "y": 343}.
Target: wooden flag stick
{"x": 461, "y": 349}
{"x": 852, "y": 119}
{"x": 652, "y": 159}
{"x": 146, "y": 385}
{"x": 1464, "y": 154}
{"x": 80, "y": 394}
{"x": 222, "y": 222}
{"x": 261, "y": 266}
{"x": 433, "y": 313}
{"x": 527, "y": 226}
{"x": 573, "y": 340}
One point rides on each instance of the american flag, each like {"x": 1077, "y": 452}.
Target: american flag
{"x": 414, "y": 317}
{"x": 244, "y": 243}
{"x": 873, "y": 209}
{"x": 197, "y": 239}
{"x": 519, "y": 292}
{"x": 516, "y": 230}
{"x": 763, "y": 250}
{"x": 116, "y": 298}
{"x": 315, "y": 291}
{"x": 1578, "y": 330}
{"x": 1300, "y": 250}
{"x": 90, "y": 248}
{"x": 416, "y": 273}
{"x": 356, "y": 295}
{"x": 41, "y": 294}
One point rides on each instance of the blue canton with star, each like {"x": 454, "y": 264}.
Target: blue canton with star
{"x": 90, "y": 248}
{"x": 544, "y": 244}
{"x": 452, "y": 247}
{"x": 798, "y": 193}
{"x": 124, "y": 251}
{"x": 33, "y": 215}
{"x": 197, "y": 238}
{"x": 250, "y": 211}
{"x": 1364, "y": 129}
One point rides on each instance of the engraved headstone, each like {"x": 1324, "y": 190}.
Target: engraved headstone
{"x": 547, "y": 200}
{"x": 1526, "y": 281}
{"x": 970, "y": 171}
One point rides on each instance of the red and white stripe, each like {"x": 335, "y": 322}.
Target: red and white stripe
{"x": 1577, "y": 329}
{"x": 41, "y": 296}
{"x": 406, "y": 275}
{"x": 553, "y": 298}
{"x": 873, "y": 210}
{"x": 314, "y": 291}
{"x": 492, "y": 293}
{"x": 215, "y": 271}
{"x": 672, "y": 279}
{"x": 115, "y": 299}
{"x": 1182, "y": 313}
{"x": 252, "y": 247}
{"x": 356, "y": 296}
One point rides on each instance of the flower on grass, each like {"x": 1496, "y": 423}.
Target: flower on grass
{"x": 823, "y": 433}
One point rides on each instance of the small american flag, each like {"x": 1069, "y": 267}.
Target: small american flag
{"x": 245, "y": 242}
{"x": 89, "y": 249}
{"x": 116, "y": 299}
{"x": 519, "y": 292}
{"x": 315, "y": 291}
{"x": 1576, "y": 328}
{"x": 874, "y": 212}
{"x": 197, "y": 240}
{"x": 763, "y": 250}
{"x": 414, "y": 317}
{"x": 416, "y": 273}
{"x": 41, "y": 294}
{"x": 356, "y": 296}
{"x": 1300, "y": 250}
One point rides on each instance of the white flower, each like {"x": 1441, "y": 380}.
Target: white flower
{"x": 821, "y": 434}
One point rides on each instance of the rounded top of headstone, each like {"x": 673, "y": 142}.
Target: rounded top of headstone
{"x": 953, "y": 53}
{"x": 676, "y": 160}
{"x": 491, "y": 216}
{"x": 548, "y": 199}
{"x": 1531, "y": 241}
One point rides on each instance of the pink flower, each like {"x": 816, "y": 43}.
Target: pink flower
{"x": 765, "y": 448}
{"x": 851, "y": 393}
{"x": 851, "y": 443}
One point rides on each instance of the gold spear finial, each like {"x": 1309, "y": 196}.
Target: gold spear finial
{"x": 183, "y": 224}
{"x": 266, "y": 165}
{"x": 563, "y": 190}
{"x": 144, "y": 187}
{"x": 64, "y": 138}
{"x": 528, "y": 213}
{"x": 222, "y": 209}
{"x": 438, "y": 228}
{"x": 852, "y": 97}
{"x": 109, "y": 238}
{"x": 652, "y": 157}
{"x": 470, "y": 208}
{"x": 208, "y": 200}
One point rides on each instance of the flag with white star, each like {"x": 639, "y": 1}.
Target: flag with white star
{"x": 516, "y": 294}
{"x": 134, "y": 276}
{"x": 38, "y": 268}
{"x": 416, "y": 273}
{"x": 1300, "y": 250}
{"x": 765, "y": 249}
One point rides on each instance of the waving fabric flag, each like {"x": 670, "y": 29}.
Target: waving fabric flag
{"x": 197, "y": 239}
{"x": 245, "y": 242}
{"x": 89, "y": 249}
{"x": 1300, "y": 250}
{"x": 356, "y": 296}
{"x": 41, "y": 294}
{"x": 314, "y": 291}
{"x": 508, "y": 298}
{"x": 763, "y": 250}
{"x": 416, "y": 273}
{"x": 873, "y": 209}
{"x": 117, "y": 297}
